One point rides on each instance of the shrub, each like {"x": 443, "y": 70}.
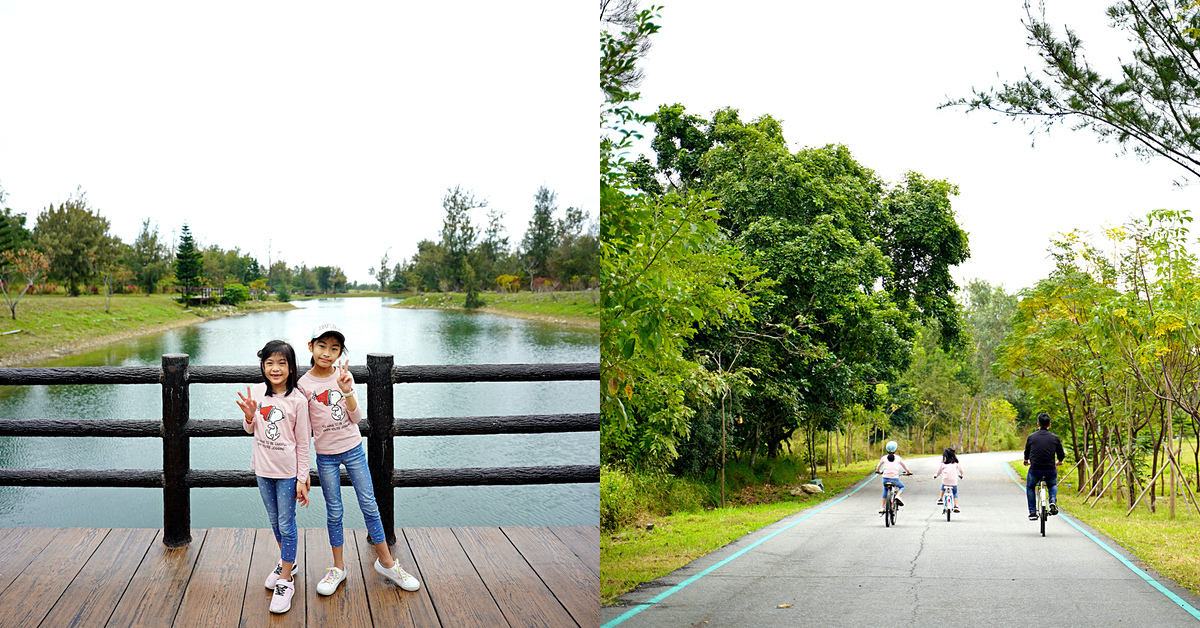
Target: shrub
{"x": 283, "y": 294}
{"x": 626, "y": 497}
{"x": 235, "y": 293}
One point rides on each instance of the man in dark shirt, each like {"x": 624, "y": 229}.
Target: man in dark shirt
{"x": 1043, "y": 452}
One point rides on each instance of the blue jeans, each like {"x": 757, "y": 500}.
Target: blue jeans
{"x": 1031, "y": 480}
{"x": 894, "y": 482}
{"x": 355, "y": 460}
{"x": 279, "y": 496}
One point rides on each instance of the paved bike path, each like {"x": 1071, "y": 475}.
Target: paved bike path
{"x": 837, "y": 565}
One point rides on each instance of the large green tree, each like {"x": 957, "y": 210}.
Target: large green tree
{"x": 189, "y": 262}
{"x": 541, "y": 235}
{"x": 74, "y": 236}
{"x": 459, "y": 236}
{"x": 857, "y": 265}
{"x": 1151, "y": 107}
{"x": 148, "y": 258}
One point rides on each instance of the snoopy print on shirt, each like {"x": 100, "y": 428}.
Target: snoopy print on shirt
{"x": 330, "y": 398}
{"x": 272, "y": 416}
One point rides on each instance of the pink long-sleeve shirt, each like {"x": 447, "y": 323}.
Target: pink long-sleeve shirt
{"x": 891, "y": 470}
{"x": 281, "y": 432}
{"x": 949, "y": 473}
{"x": 335, "y": 429}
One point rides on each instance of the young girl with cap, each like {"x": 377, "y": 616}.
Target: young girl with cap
{"x": 335, "y": 413}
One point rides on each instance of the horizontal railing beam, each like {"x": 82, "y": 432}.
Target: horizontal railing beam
{"x": 121, "y": 478}
{"x": 459, "y": 373}
{"x": 496, "y": 476}
{"x": 129, "y": 428}
{"x": 81, "y": 375}
{"x": 514, "y": 424}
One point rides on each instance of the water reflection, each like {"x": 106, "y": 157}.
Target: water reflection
{"x": 412, "y": 336}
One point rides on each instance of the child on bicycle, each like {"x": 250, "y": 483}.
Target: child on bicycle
{"x": 890, "y": 466}
{"x": 950, "y": 471}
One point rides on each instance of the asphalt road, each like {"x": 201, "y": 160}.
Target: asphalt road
{"x": 839, "y": 566}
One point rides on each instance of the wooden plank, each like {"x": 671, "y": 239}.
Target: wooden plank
{"x": 458, "y": 593}
{"x": 584, "y": 541}
{"x": 575, "y": 586}
{"x": 152, "y": 598}
{"x": 27, "y": 600}
{"x": 217, "y": 587}
{"x": 516, "y": 587}
{"x": 93, "y": 595}
{"x": 256, "y": 607}
{"x": 19, "y": 546}
{"x": 348, "y": 605}
{"x": 390, "y": 605}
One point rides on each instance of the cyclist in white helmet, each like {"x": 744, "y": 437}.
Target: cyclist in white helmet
{"x": 890, "y": 466}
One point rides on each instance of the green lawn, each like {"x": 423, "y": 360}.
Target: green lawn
{"x": 577, "y": 307}
{"x": 48, "y": 323}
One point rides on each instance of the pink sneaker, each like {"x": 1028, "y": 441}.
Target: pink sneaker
{"x": 274, "y": 575}
{"x": 281, "y": 601}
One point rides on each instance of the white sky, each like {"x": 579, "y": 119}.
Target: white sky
{"x": 331, "y": 131}
{"x": 871, "y": 75}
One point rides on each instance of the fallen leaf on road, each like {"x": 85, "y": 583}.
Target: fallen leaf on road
{"x": 784, "y": 606}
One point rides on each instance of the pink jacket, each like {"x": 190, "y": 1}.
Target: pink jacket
{"x": 281, "y": 433}
{"x": 335, "y": 429}
{"x": 891, "y": 470}
{"x": 949, "y": 473}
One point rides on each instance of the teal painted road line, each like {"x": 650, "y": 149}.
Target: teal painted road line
{"x": 1134, "y": 568}
{"x": 661, "y": 596}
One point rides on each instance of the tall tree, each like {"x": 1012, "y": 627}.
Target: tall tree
{"x": 189, "y": 262}
{"x": 459, "y": 236}
{"x": 148, "y": 258}
{"x": 73, "y": 235}
{"x": 17, "y": 267}
{"x": 541, "y": 236}
{"x": 1151, "y": 108}
{"x": 383, "y": 274}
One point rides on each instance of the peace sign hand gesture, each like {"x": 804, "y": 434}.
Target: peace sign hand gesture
{"x": 247, "y": 405}
{"x": 345, "y": 380}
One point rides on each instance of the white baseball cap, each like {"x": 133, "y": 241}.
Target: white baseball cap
{"x": 328, "y": 328}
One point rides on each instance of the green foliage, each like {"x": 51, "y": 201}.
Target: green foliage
{"x": 188, "y": 262}
{"x": 540, "y": 237}
{"x": 147, "y": 258}
{"x": 283, "y": 294}
{"x": 235, "y": 293}
{"x": 1151, "y": 107}
{"x": 74, "y": 237}
{"x": 626, "y": 497}
{"x": 458, "y": 237}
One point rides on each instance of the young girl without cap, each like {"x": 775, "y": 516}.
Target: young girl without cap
{"x": 335, "y": 415}
{"x": 950, "y": 471}
{"x": 276, "y": 413}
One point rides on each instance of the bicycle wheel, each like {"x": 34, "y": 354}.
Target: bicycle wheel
{"x": 1042, "y": 507}
{"x": 888, "y": 508}
{"x": 946, "y": 504}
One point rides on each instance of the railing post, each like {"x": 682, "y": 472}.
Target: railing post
{"x": 177, "y": 503}
{"x": 380, "y": 453}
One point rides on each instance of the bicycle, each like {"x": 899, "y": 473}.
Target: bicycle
{"x": 1043, "y": 502}
{"x": 890, "y": 508}
{"x": 947, "y": 500}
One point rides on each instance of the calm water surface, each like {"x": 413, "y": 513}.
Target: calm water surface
{"x": 412, "y": 336}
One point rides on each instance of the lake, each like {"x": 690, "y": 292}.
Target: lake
{"x": 411, "y": 336}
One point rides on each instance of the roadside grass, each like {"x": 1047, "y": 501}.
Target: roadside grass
{"x": 579, "y": 306}
{"x": 1167, "y": 545}
{"x": 631, "y": 553}
{"x": 48, "y": 323}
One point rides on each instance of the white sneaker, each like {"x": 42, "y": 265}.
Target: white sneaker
{"x": 397, "y": 575}
{"x": 330, "y": 582}
{"x": 281, "y": 601}
{"x": 273, "y": 577}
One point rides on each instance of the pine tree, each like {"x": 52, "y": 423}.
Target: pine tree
{"x": 188, "y": 261}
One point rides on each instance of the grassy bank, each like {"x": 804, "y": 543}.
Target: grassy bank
{"x": 581, "y": 308}
{"x": 1167, "y": 545}
{"x": 640, "y": 542}
{"x": 48, "y": 327}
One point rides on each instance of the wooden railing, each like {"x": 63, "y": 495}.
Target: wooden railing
{"x": 177, "y": 478}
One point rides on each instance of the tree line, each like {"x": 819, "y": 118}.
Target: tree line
{"x": 70, "y": 246}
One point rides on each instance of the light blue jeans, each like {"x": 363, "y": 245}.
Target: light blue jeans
{"x": 279, "y": 496}
{"x": 355, "y": 461}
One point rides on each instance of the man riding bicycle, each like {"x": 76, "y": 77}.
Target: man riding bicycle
{"x": 1043, "y": 452}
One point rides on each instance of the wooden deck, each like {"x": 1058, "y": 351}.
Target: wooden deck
{"x": 488, "y": 577}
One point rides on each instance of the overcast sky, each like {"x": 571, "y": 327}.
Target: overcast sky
{"x": 327, "y": 132}
{"x": 871, "y": 76}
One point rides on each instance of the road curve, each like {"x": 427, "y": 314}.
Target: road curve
{"x": 837, "y": 565}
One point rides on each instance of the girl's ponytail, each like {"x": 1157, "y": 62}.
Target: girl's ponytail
{"x": 891, "y": 457}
